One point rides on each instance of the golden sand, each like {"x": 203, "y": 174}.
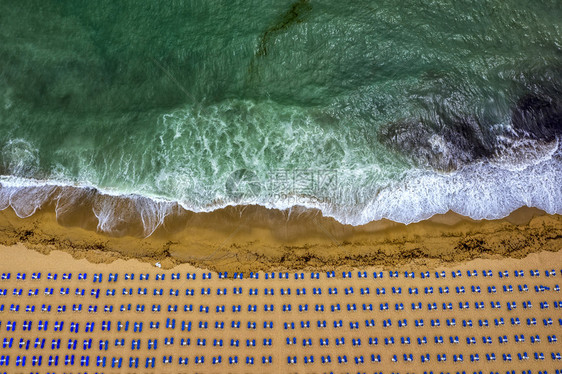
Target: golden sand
{"x": 17, "y": 258}
{"x": 254, "y": 238}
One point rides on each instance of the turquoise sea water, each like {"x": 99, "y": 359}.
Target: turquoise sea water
{"x": 363, "y": 109}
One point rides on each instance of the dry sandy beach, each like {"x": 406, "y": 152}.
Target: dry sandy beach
{"x": 20, "y": 259}
{"x": 526, "y": 240}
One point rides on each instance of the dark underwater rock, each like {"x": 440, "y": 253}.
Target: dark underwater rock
{"x": 452, "y": 141}
{"x": 538, "y": 116}
{"x": 444, "y": 147}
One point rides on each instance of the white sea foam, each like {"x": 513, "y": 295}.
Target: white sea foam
{"x": 199, "y": 152}
{"x": 481, "y": 191}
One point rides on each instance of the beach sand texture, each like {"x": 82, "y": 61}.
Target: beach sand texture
{"x": 254, "y": 238}
{"x": 19, "y": 259}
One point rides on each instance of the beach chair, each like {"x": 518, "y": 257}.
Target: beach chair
{"x": 133, "y": 362}
{"x": 20, "y": 360}
{"x": 289, "y": 325}
{"x": 321, "y": 324}
{"x": 116, "y": 362}
{"x": 183, "y": 360}
{"x": 237, "y": 290}
{"x": 250, "y": 342}
{"x": 55, "y": 344}
{"x": 458, "y": 358}
{"x": 103, "y": 345}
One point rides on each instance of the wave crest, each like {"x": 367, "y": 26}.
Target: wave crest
{"x": 481, "y": 191}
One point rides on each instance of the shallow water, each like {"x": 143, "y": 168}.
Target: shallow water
{"x": 365, "y": 111}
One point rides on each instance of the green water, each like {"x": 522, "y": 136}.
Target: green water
{"x": 169, "y": 99}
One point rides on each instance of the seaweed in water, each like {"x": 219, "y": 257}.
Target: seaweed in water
{"x": 294, "y": 15}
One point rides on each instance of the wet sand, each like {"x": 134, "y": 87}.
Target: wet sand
{"x": 254, "y": 238}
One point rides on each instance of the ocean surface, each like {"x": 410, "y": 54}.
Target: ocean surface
{"x": 361, "y": 109}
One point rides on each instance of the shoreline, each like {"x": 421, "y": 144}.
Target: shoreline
{"x": 254, "y": 238}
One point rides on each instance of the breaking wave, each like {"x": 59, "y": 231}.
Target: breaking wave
{"x": 484, "y": 190}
